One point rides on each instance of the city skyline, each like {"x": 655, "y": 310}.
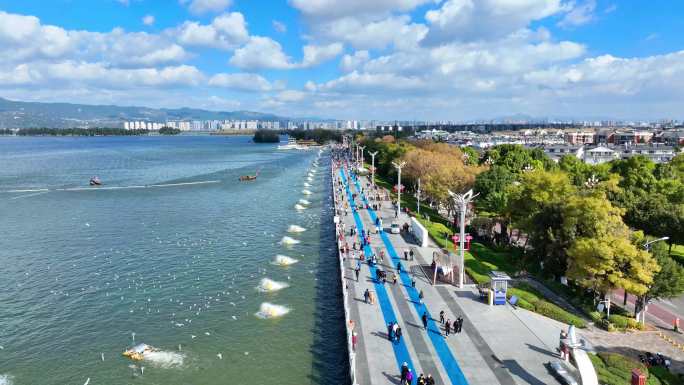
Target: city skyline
{"x": 392, "y": 59}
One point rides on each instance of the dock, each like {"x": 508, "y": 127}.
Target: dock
{"x": 497, "y": 344}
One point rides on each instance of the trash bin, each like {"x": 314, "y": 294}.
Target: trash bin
{"x": 638, "y": 378}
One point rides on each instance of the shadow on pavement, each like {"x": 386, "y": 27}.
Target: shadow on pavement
{"x": 515, "y": 369}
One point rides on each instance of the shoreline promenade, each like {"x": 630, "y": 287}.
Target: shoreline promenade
{"x": 497, "y": 345}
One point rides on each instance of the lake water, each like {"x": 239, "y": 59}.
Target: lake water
{"x": 171, "y": 248}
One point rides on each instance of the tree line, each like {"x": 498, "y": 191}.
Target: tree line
{"x": 99, "y": 131}
{"x": 589, "y": 223}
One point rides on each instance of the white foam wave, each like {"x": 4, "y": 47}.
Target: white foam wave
{"x": 309, "y": 179}
{"x": 284, "y": 260}
{"x": 269, "y": 310}
{"x": 5, "y": 379}
{"x": 307, "y": 184}
{"x": 299, "y": 207}
{"x": 304, "y": 202}
{"x": 288, "y": 241}
{"x": 268, "y": 285}
{"x": 306, "y": 192}
{"x": 164, "y": 359}
{"x": 295, "y": 229}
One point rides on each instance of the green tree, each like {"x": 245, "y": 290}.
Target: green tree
{"x": 611, "y": 261}
{"x": 667, "y": 283}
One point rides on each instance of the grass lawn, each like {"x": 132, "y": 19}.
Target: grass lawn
{"x": 616, "y": 369}
{"x": 678, "y": 253}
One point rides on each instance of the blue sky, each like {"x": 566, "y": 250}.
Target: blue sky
{"x": 352, "y": 59}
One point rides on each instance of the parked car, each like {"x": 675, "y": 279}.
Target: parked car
{"x": 394, "y": 229}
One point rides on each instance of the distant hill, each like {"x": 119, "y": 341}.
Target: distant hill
{"x": 15, "y": 114}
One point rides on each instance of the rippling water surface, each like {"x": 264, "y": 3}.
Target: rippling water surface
{"x": 171, "y": 252}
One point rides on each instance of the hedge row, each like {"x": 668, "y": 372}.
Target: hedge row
{"x": 616, "y": 369}
{"x": 531, "y": 299}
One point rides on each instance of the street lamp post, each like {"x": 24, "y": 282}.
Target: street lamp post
{"x": 373, "y": 154}
{"x": 399, "y": 167}
{"x": 361, "y": 159}
{"x": 647, "y": 247}
{"x": 462, "y": 201}
{"x": 418, "y": 197}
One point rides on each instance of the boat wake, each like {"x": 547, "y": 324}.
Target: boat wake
{"x": 164, "y": 359}
{"x": 306, "y": 192}
{"x": 299, "y": 207}
{"x": 295, "y": 229}
{"x": 268, "y": 285}
{"x": 269, "y": 310}
{"x": 288, "y": 241}
{"x": 284, "y": 260}
{"x": 101, "y": 188}
{"x": 304, "y": 202}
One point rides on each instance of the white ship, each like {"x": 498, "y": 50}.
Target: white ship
{"x": 292, "y": 145}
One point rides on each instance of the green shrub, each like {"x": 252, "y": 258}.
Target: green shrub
{"x": 621, "y": 322}
{"x": 616, "y": 369}
{"x": 665, "y": 377}
{"x": 555, "y": 312}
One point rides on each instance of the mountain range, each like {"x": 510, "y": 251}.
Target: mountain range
{"x": 17, "y": 114}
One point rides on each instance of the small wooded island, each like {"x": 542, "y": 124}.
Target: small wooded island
{"x": 266, "y": 136}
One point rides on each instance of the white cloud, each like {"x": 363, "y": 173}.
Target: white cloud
{"x": 99, "y": 74}
{"x": 352, "y": 62}
{"x": 372, "y": 82}
{"x": 259, "y": 53}
{"x": 199, "y": 7}
{"x": 241, "y": 81}
{"x": 148, "y": 19}
{"x": 470, "y": 20}
{"x": 315, "y": 55}
{"x": 24, "y": 38}
{"x": 334, "y": 9}
{"x": 289, "y": 96}
{"x": 580, "y": 14}
{"x": 279, "y": 27}
{"x": 396, "y": 30}
{"x": 226, "y": 31}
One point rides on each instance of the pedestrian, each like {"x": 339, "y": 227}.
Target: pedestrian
{"x": 409, "y": 377}
{"x": 357, "y": 274}
{"x": 406, "y": 254}
{"x": 429, "y": 380}
{"x": 354, "y": 339}
{"x": 395, "y": 327}
{"x": 447, "y": 328}
{"x": 421, "y": 380}
{"x": 366, "y": 296}
{"x": 460, "y": 324}
{"x": 413, "y": 282}
{"x": 390, "y": 331}
{"x": 404, "y": 372}
{"x": 421, "y": 296}
{"x": 394, "y": 279}
{"x": 398, "y": 334}
{"x": 411, "y": 254}
{"x": 425, "y": 320}
{"x": 399, "y": 267}
{"x": 441, "y": 314}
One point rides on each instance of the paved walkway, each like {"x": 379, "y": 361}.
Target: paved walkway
{"x": 498, "y": 345}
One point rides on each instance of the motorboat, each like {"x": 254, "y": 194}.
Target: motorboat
{"x": 246, "y": 178}
{"x": 137, "y": 352}
{"x": 292, "y": 145}
{"x": 95, "y": 181}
